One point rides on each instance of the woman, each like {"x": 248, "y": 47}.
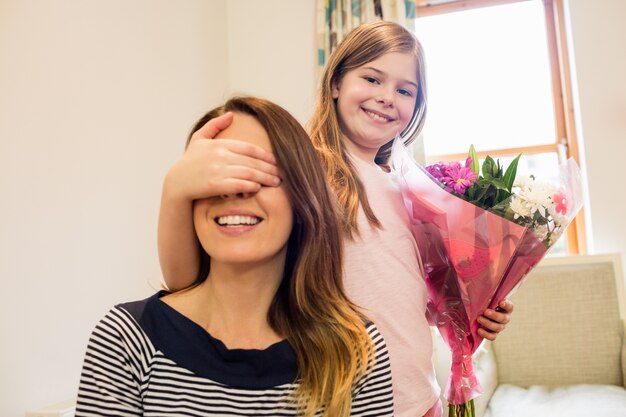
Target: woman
{"x": 266, "y": 328}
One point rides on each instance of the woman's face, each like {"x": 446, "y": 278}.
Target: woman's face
{"x": 247, "y": 228}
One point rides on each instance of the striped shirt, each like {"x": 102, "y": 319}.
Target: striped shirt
{"x": 146, "y": 359}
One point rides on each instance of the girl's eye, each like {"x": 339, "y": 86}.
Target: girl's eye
{"x": 371, "y": 80}
{"x": 405, "y": 92}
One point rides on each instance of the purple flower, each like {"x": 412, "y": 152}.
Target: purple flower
{"x": 437, "y": 170}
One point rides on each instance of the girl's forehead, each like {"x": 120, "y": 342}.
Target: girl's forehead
{"x": 401, "y": 65}
{"x": 247, "y": 129}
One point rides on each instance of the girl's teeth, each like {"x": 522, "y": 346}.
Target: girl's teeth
{"x": 377, "y": 117}
{"x": 237, "y": 220}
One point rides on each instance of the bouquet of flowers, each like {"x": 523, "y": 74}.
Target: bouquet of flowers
{"x": 479, "y": 231}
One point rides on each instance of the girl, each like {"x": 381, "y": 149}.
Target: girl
{"x": 372, "y": 88}
{"x": 265, "y": 329}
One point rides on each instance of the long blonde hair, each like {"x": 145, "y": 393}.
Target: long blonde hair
{"x": 310, "y": 308}
{"x": 362, "y": 45}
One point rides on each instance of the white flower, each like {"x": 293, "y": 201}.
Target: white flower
{"x": 519, "y": 207}
{"x": 541, "y": 231}
{"x": 559, "y": 219}
{"x": 523, "y": 181}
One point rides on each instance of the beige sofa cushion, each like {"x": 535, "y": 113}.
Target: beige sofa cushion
{"x": 565, "y": 330}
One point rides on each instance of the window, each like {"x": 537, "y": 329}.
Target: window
{"x": 498, "y": 78}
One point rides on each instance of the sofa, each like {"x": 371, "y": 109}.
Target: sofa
{"x": 564, "y": 352}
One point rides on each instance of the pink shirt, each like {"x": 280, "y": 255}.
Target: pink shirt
{"x": 382, "y": 276}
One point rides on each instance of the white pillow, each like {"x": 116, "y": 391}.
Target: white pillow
{"x": 570, "y": 401}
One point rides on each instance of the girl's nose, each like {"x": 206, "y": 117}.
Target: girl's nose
{"x": 386, "y": 99}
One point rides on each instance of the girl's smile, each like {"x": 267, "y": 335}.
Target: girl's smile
{"x": 378, "y": 116}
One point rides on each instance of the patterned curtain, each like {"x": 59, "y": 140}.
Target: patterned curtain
{"x": 335, "y": 18}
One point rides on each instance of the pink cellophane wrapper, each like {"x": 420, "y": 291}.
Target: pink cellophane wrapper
{"x": 472, "y": 259}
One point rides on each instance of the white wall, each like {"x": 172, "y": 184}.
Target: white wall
{"x": 599, "y": 58}
{"x": 272, "y": 52}
{"x": 96, "y": 98}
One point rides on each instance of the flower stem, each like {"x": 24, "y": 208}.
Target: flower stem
{"x": 462, "y": 410}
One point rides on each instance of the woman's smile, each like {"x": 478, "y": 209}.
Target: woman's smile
{"x": 237, "y": 223}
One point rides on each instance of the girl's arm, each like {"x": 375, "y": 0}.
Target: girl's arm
{"x": 177, "y": 244}
{"x": 208, "y": 168}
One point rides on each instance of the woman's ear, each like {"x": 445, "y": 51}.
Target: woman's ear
{"x": 335, "y": 90}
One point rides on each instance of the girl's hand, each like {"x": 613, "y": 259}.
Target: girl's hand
{"x": 210, "y": 167}
{"x": 494, "y": 321}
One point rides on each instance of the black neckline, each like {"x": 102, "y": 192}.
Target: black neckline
{"x": 192, "y": 347}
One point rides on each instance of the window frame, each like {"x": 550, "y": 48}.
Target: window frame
{"x": 565, "y": 142}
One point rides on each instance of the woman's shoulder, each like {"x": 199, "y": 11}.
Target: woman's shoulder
{"x": 136, "y": 309}
{"x": 373, "y": 331}
{"x": 124, "y": 319}
{"x": 127, "y": 314}
{"x": 373, "y": 390}
{"x": 381, "y": 354}
{"x": 118, "y": 336}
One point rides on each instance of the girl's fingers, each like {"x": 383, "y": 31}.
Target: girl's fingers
{"x": 247, "y": 149}
{"x": 494, "y": 321}
{"x": 228, "y": 150}
{"x": 247, "y": 173}
{"x": 486, "y": 334}
{"x": 257, "y": 165}
{"x": 490, "y": 325}
{"x": 253, "y": 158}
{"x": 213, "y": 127}
{"x": 497, "y": 317}
{"x": 506, "y": 306}
{"x": 233, "y": 186}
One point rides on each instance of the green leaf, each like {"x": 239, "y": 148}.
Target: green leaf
{"x": 502, "y": 195}
{"x": 483, "y": 195}
{"x": 511, "y": 172}
{"x": 475, "y": 165}
{"x": 499, "y": 184}
{"x": 488, "y": 167}
{"x": 471, "y": 192}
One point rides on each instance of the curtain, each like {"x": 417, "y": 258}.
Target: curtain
{"x": 335, "y": 18}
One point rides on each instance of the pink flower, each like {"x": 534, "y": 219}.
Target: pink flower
{"x": 460, "y": 178}
{"x": 453, "y": 176}
{"x": 560, "y": 202}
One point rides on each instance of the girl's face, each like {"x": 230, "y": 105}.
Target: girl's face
{"x": 375, "y": 102}
{"x": 247, "y": 228}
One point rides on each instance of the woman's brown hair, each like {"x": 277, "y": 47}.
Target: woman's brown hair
{"x": 363, "y": 44}
{"x": 310, "y": 308}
